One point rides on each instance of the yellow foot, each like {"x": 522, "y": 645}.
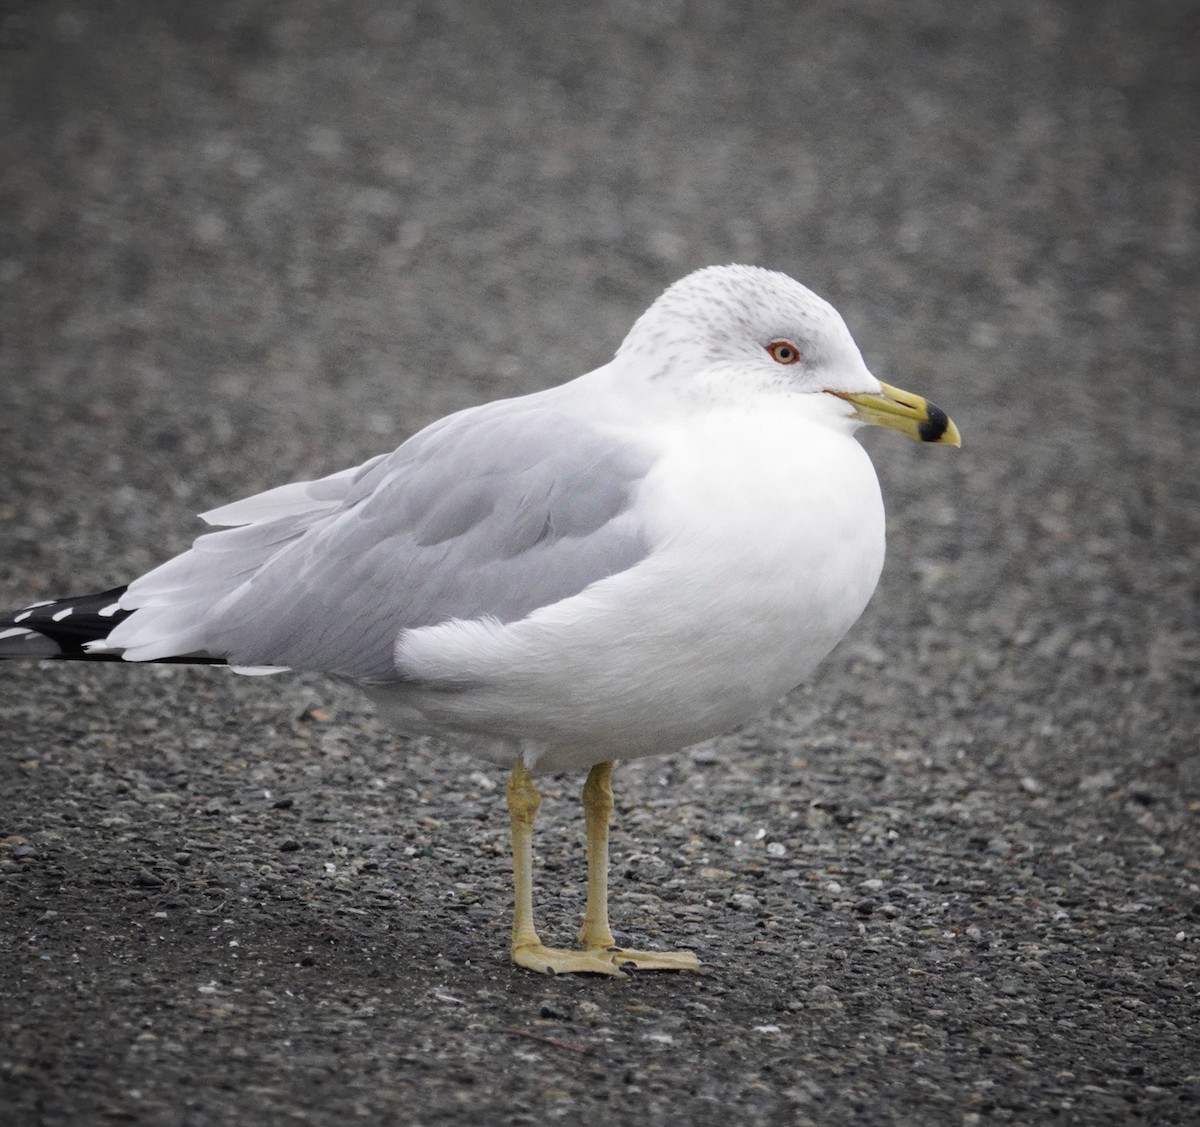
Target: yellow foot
{"x": 556, "y": 960}
{"x": 599, "y": 960}
{"x": 650, "y": 960}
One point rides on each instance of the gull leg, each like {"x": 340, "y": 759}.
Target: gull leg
{"x": 596, "y": 935}
{"x": 527, "y": 949}
{"x": 597, "y": 811}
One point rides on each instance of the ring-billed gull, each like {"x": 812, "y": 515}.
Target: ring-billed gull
{"x": 620, "y": 566}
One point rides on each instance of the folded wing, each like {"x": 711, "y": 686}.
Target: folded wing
{"x": 493, "y": 512}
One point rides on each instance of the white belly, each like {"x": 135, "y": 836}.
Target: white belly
{"x": 760, "y": 566}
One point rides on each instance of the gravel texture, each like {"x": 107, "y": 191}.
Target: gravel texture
{"x": 952, "y": 881}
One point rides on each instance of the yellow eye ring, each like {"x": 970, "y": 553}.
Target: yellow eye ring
{"x": 784, "y": 352}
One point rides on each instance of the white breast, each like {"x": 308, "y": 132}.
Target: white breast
{"x": 701, "y": 636}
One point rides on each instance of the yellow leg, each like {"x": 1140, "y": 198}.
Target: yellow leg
{"x": 527, "y": 949}
{"x": 596, "y": 935}
{"x": 597, "y": 811}
{"x": 598, "y": 954}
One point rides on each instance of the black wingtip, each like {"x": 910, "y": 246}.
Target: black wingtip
{"x": 61, "y": 628}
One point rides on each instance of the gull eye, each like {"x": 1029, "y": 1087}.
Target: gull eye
{"x": 784, "y": 352}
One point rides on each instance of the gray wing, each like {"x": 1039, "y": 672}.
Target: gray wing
{"x": 492, "y": 512}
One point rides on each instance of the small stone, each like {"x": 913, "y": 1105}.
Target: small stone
{"x": 1101, "y": 780}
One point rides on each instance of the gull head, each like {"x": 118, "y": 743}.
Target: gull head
{"x": 736, "y": 330}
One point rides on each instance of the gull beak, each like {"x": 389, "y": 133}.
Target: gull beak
{"x": 905, "y": 412}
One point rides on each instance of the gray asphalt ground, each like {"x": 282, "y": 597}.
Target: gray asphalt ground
{"x": 952, "y": 881}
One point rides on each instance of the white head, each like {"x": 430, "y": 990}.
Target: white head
{"x": 727, "y": 331}
{"x": 755, "y": 321}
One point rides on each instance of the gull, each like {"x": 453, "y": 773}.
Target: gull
{"x": 620, "y": 566}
